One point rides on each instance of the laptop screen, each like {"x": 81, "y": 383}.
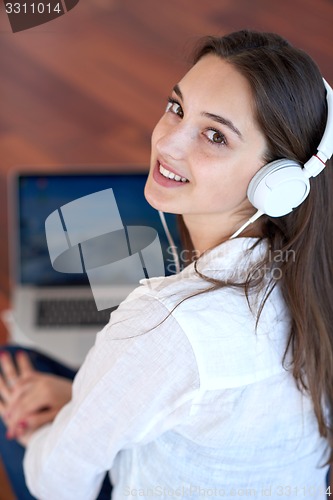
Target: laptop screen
{"x": 39, "y": 195}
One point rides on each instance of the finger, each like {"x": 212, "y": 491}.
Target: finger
{"x": 28, "y": 401}
{"x": 20, "y": 429}
{"x": 4, "y": 390}
{"x": 11, "y": 399}
{"x": 13, "y": 432}
{"x": 38, "y": 419}
{"x": 9, "y": 372}
{"x": 2, "y": 409}
{"x": 23, "y": 436}
{"x": 7, "y": 398}
{"x": 30, "y": 423}
{"x": 24, "y": 365}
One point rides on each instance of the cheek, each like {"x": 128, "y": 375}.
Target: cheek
{"x": 228, "y": 186}
{"x": 153, "y": 137}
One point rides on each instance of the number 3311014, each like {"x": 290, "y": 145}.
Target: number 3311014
{"x": 33, "y": 8}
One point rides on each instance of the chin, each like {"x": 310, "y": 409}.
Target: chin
{"x": 150, "y": 198}
{"x": 156, "y": 203}
{"x": 159, "y": 199}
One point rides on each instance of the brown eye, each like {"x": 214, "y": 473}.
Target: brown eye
{"x": 175, "y": 108}
{"x": 179, "y": 111}
{"x": 216, "y": 137}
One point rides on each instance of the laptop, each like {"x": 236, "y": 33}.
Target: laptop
{"x": 55, "y": 303}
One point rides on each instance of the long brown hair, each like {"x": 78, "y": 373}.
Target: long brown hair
{"x": 291, "y": 110}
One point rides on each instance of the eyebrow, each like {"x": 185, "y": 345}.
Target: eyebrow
{"x": 212, "y": 116}
{"x": 177, "y": 91}
{"x": 224, "y": 121}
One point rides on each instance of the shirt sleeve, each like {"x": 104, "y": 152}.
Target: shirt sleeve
{"x": 137, "y": 382}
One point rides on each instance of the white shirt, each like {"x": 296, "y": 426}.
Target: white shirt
{"x": 188, "y": 402}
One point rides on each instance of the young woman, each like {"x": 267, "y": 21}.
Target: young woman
{"x": 217, "y": 381}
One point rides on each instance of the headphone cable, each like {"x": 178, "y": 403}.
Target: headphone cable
{"x": 254, "y": 217}
{"x": 170, "y": 240}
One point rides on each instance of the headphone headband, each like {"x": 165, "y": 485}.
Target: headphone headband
{"x": 317, "y": 162}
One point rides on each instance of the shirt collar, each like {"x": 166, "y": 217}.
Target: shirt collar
{"x": 232, "y": 258}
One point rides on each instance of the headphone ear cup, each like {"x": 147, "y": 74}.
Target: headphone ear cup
{"x": 278, "y": 187}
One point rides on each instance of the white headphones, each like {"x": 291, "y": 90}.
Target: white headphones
{"x": 282, "y": 185}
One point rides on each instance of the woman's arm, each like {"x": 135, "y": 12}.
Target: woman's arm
{"x": 136, "y": 382}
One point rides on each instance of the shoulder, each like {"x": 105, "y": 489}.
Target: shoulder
{"x": 188, "y": 297}
{"x": 144, "y": 329}
{"x": 230, "y": 348}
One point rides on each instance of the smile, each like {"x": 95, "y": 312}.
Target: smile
{"x": 170, "y": 175}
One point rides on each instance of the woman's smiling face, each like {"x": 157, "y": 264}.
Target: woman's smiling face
{"x": 209, "y": 139}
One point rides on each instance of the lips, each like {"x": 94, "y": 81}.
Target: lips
{"x": 167, "y": 177}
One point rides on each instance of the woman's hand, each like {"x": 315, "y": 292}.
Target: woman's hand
{"x": 29, "y": 399}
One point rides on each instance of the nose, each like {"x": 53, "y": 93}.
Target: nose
{"x": 173, "y": 142}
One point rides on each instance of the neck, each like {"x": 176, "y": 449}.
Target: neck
{"x": 208, "y": 232}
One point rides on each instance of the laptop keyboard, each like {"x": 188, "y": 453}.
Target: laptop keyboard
{"x": 70, "y": 312}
